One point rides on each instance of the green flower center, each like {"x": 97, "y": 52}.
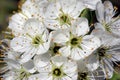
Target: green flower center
{"x": 74, "y": 41}
{"x": 57, "y": 72}
{"x": 37, "y": 40}
{"x": 64, "y": 19}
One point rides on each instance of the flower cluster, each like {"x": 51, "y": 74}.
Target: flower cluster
{"x": 52, "y": 41}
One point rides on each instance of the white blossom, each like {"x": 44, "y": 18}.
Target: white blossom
{"x": 75, "y": 43}
{"x": 35, "y": 40}
{"x": 58, "y": 68}
{"x": 107, "y": 23}
{"x": 29, "y": 10}
{"x": 61, "y": 13}
{"x": 18, "y": 71}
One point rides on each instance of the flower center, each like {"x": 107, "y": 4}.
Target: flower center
{"x": 75, "y": 42}
{"x": 56, "y": 48}
{"x": 102, "y": 52}
{"x": 57, "y": 72}
{"x": 82, "y": 76}
{"x": 64, "y": 19}
{"x": 37, "y": 40}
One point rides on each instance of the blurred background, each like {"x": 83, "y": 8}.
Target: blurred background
{"x": 9, "y": 7}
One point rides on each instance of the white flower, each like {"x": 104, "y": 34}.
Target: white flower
{"x": 59, "y": 68}
{"x": 35, "y": 40}
{"x": 60, "y": 13}
{"x": 105, "y": 37}
{"x": 107, "y": 55}
{"x": 29, "y": 10}
{"x": 90, "y": 72}
{"x": 90, "y": 4}
{"x": 18, "y": 71}
{"x": 107, "y": 23}
{"x": 108, "y": 52}
{"x": 76, "y": 44}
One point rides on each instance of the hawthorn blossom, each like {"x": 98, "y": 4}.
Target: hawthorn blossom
{"x": 18, "y": 71}
{"x": 75, "y": 43}
{"x": 60, "y": 14}
{"x": 29, "y": 10}
{"x": 58, "y": 68}
{"x": 36, "y": 40}
{"x": 89, "y": 69}
{"x": 107, "y": 23}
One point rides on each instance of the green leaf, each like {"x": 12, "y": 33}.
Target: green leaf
{"x": 116, "y": 76}
{"x": 87, "y": 14}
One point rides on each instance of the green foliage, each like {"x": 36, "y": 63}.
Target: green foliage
{"x": 116, "y": 76}
{"x": 6, "y": 8}
{"x": 87, "y": 13}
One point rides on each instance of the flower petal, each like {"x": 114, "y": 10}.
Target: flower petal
{"x": 92, "y": 62}
{"x": 78, "y": 8}
{"x": 42, "y": 60}
{"x": 16, "y": 23}
{"x": 70, "y": 68}
{"x": 33, "y": 10}
{"x": 77, "y": 54}
{"x": 80, "y": 27}
{"x": 20, "y": 44}
{"x": 90, "y": 43}
{"x": 34, "y": 27}
{"x": 109, "y": 11}
{"x": 67, "y": 5}
{"x": 52, "y": 24}
{"x": 58, "y": 60}
{"x": 100, "y": 12}
{"x": 107, "y": 39}
{"x": 28, "y": 55}
{"x": 29, "y": 66}
{"x": 53, "y": 10}
{"x": 108, "y": 68}
{"x": 65, "y": 51}
{"x": 115, "y": 28}
{"x": 42, "y": 76}
{"x": 61, "y": 36}
{"x": 91, "y": 4}
{"x": 43, "y": 48}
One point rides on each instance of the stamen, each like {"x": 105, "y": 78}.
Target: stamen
{"x": 57, "y": 72}
{"x": 115, "y": 7}
{"x": 75, "y": 41}
{"x": 56, "y": 48}
{"x": 37, "y": 40}
{"x": 64, "y": 19}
